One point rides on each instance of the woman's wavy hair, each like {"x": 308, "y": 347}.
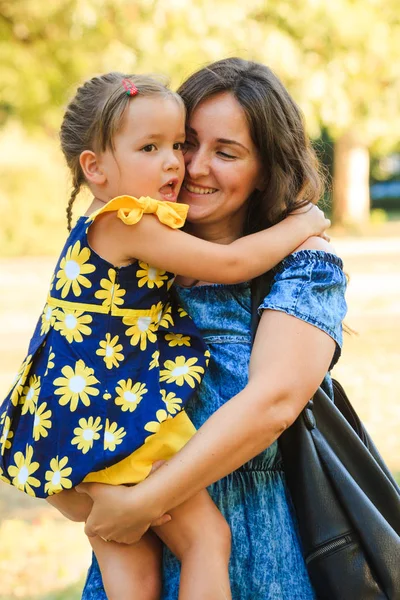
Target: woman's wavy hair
{"x": 291, "y": 169}
{"x": 95, "y": 115}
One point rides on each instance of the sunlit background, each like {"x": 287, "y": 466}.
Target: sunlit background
{"x": 340, "y": 61}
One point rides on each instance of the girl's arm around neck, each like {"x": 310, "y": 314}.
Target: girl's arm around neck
{"x": 184, "y": 254}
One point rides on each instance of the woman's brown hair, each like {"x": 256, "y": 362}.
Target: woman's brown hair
{"x": 95, "y": 115}
{"x": 290, "y": 166}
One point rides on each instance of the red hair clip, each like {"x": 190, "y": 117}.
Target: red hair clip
{"x": 130, "y": 88}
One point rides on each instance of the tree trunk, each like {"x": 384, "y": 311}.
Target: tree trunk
{"x": 351, "y": 200}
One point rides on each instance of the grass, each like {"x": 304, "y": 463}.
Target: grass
{"x": 44, "y": 557}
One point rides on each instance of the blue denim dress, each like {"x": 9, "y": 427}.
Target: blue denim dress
{"x": 266, "y": 560}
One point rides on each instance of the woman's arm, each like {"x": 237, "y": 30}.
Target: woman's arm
{"x": 178, "y": 252}
{"x": 288, "y": 362}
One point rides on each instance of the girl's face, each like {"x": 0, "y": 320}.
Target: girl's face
{"x": 222, "y": 163}
{"x": 147, "y": 159}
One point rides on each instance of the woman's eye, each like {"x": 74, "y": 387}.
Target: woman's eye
{"x": 226, "y": 155}
{"x": 149, "y": 148}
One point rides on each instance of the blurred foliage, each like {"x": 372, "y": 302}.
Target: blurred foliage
{"x": 42, "y": 560}
{"x": 340, "y": 60}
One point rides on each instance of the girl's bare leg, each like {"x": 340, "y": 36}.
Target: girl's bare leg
{"x": 201, "y": 539}
{"x": 128, "y": 572}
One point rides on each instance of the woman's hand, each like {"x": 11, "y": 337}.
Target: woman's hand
{"x": 122, "y": 514}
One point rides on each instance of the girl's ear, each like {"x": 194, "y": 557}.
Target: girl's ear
{"x": 91, "y": 168}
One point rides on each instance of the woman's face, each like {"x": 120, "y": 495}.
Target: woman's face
{"x": 222, "y": 163}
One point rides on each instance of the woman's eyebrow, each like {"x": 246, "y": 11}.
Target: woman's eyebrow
{"x": 220, "y": 140}
{"x": 232, "y": 142}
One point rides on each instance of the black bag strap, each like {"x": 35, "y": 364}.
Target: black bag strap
{"x": 260, "y": 287}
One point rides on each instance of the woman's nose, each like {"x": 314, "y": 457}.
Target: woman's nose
{"x": 197, "y": 164}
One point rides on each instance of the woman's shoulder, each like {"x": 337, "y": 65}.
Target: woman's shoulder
{"x": 317, "y": 243}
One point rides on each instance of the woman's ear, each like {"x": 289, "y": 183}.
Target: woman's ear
{"x": 92, "y": 168}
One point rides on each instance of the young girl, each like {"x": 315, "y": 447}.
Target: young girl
{"x": 114, "y": 359}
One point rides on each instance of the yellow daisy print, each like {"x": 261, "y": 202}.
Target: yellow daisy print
{"x": 207, "y": 357}
{"x": 3, "y": 417}
{"x": 154, "y": 426}
{"x": 57, "y": 476}
{"x": 112, "y": 293}
{"x": 129, "y": 394}
{"x": 182, "y": 312}
{"x": 87, "y": 433}
{"x": 22, "y": 471}
{"x": 173, "y": 404}
{"x": 19, "y": 380}
{"x": 50, "y": 363}
{"x": 177, "y": 339}
{"x": 6, "y": 435}
{"x": 170, "y": 282}
{"x": 41, "y": 422}
{"x": 76, "y": 385}
{"x": 30, "y": 395}
{"x": 48, "y": 319}
{"x": 141, "y": 329}
{"x": 181, "y": 370}
{"x": 164, "y": 316}
{"x": 73, "y": 324}
{"x": 3, "y": 477}
{"x": 111, "y": 351}
{"x": 73, "y": 268}
{"x": 113, "y": 436}
{"x": 155, "y": 360}
{"x": 150, "y": 276}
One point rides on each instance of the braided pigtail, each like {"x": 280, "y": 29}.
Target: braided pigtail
{"x": 74, "y": 193}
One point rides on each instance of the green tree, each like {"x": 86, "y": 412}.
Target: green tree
{"x": 341, "y": 60}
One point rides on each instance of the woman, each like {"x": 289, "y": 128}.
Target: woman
{"x": 248, "y": 163}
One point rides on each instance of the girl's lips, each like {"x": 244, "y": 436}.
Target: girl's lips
{"x": 168, "y": 191}
{"x": 197, "y": 189}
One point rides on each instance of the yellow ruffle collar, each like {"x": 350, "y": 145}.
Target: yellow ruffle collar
{"x": 130, "y": 210}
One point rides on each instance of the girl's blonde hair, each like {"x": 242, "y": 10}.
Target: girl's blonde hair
{"x": 95, "y": 115}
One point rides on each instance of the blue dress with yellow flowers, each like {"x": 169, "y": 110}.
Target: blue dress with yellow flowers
{"x": 111, "y": 364}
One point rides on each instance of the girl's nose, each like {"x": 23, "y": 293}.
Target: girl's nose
{"x": 172, "y": 162}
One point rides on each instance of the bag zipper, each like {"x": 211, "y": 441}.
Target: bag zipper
{"x": 330, "y": 547}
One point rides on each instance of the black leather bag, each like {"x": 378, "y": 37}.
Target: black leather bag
{"x": 346, "y": 501}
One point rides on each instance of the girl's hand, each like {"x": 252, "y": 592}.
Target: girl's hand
{"x": 313, "y": 219}
{"x": 119, "y": 513}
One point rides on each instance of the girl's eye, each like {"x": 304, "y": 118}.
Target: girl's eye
{"x": 149, "y": 148}
{"x": 179, "y": 146}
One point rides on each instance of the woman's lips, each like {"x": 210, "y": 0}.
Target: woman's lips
{"x": 195, "y": 189}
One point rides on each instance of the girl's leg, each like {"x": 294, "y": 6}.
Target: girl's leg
{"x": 128, "y": 572}
{"x": 201, "y": 539}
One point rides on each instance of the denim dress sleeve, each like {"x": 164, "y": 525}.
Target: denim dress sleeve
{"x": 310, "y": 285}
